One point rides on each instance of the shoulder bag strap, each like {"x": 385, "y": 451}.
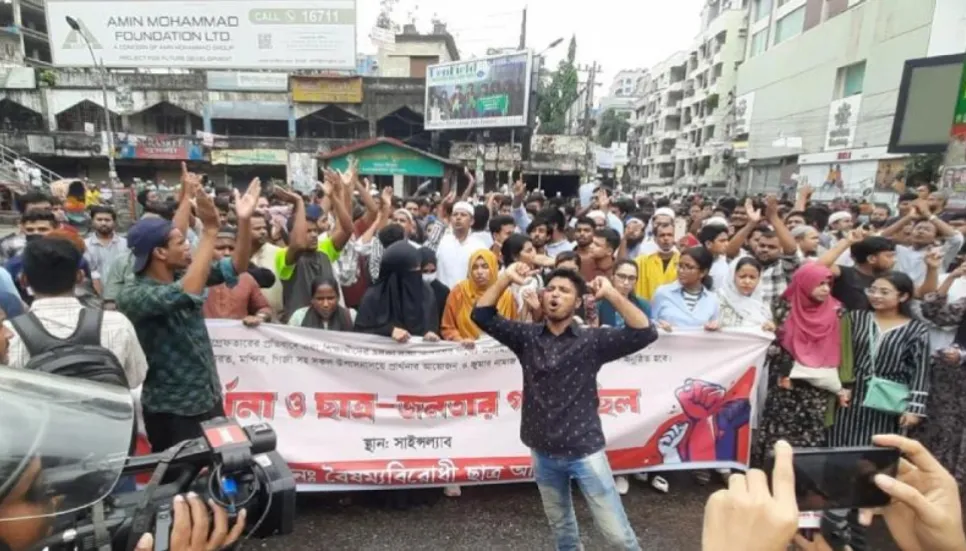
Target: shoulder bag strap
{"x": 873, "y": 342}
{"x": 88, "y": 327}
{"x": 36, "y": 339}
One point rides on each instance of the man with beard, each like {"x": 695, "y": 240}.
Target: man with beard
{"x": 539, "y": 231}
{"x": 777, "y": 252}
{"x": 659, "y": 268}
{"x": 583, "y": 243}
{"x": 560, "y": 423}
{"x": 455, "y": 247}
{"x": 633, "y": 245}
{"x": 879, "y": 217}
{"x": 104, "y": 245}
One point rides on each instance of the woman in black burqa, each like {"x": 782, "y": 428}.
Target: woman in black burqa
{"x": 399, "y": 304}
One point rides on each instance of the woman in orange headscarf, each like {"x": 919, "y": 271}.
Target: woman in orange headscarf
{"x": 481, "y": 274}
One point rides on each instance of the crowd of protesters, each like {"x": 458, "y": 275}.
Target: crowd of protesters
{"x": 857, "y": 295}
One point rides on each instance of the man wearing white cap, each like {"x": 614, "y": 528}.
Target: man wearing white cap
{"x": 839, "y": 225}
{"x": 456, "y": 246}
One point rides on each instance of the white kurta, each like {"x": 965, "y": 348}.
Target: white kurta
{"x": 453, "y": 258}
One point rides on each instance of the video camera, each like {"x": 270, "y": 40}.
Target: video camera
{"x": 236, "y": 467}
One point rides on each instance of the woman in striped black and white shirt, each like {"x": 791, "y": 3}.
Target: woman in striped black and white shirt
{"x": 888, "y": 344}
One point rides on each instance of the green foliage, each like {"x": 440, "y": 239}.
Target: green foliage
{"x": 555, "y": 99}
{"x": 46, "y": 77}
{"x": 711, "y": 102}
{"x": 923, "y": 169}
{"x": 613, "y": 127}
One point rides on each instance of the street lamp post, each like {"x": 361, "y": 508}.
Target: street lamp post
{"x": 525, "y": 147}
{"x": 112, "y": 169}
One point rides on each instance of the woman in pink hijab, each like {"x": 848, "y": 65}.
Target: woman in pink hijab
{"x": 803, "y": 363}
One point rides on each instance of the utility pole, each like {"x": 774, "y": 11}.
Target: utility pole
{"x": 590, "y": 169}
{"x": 523, "y": 30}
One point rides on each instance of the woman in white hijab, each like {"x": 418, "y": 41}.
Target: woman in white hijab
{"x": 741, "y": 300}
{"x": 741, "y": 305}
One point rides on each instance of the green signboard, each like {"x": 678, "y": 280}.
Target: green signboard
{"x": 959, "y": 120}
{"x": 388, "y": 160}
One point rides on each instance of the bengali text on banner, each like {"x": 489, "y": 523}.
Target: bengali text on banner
{"x": 354, "y": 411}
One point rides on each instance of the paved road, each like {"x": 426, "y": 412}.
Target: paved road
{"x": 493, "y": 518}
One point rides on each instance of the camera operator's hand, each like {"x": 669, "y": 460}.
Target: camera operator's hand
{"x": 189, "y": 531}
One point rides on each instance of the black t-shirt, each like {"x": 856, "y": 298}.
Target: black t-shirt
{"x": 850, "y": 286}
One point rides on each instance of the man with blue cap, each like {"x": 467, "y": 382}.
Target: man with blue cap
{"x": 164, "y": 302}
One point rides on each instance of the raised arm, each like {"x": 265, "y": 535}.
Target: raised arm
{"x": 634, "y": 317}
{"x": 195, "y": 280}
{"x": 508, "y": 333}
{"x": 789, "y": 245}
{"x": 738, "y": 241}
{"x": 244, "y": 209}
{"x": 637, "y": 332}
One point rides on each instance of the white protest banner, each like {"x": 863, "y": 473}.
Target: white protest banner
{"x": 354, "y": 411}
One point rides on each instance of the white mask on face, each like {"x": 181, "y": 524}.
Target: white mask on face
{"x": 429, "y": 278}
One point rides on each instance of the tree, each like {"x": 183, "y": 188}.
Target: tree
{"x": 385, "y": 20}
{"x": 554, "y": 100}
{"x": 923, "y": 169}
{"x": 613, "y": 127}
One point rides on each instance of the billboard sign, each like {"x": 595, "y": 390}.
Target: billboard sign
{"x": 232, "y": 81}
{"x": 160, "y": 147}
{"x": 490, "y": 92}
{"x": 928, "y": 104}
{"x": 205, "y": 34}
{"x": 326, "y": 90}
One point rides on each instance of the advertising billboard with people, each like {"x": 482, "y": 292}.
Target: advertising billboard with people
{"x": 490, "y": 92}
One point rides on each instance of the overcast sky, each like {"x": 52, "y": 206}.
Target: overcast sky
{"x": 618, "y": 34}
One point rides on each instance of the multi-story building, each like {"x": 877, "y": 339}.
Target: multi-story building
{"x": 817, "y": 92}
{"x": 626, "y": 83}
{"x": 682, "y": 119}
{"x": 657, "y": 123}
{"x": 23, "y": 33}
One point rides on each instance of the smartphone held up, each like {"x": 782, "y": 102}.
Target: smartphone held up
{"x": 841, "y": 478}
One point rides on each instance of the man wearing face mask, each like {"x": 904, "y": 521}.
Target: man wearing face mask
{"x": 35, "y": 225}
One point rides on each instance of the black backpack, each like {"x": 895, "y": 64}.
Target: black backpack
{"x": 80, "y": 355}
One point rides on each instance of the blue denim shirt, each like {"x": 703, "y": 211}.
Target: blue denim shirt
{"x": 668, "y": 305}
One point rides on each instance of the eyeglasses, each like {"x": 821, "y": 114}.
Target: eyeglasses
{"x": 625, "y": 278}
{"x": 873, "y": 292}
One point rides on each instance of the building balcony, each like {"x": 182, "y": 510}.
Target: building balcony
{"x": 33, "y": 34}
{"x": 676, "y": 86}
{"x": 671, "y": 110}
{"x": 670, "y": 135}
{"x": 664, "y": 158}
